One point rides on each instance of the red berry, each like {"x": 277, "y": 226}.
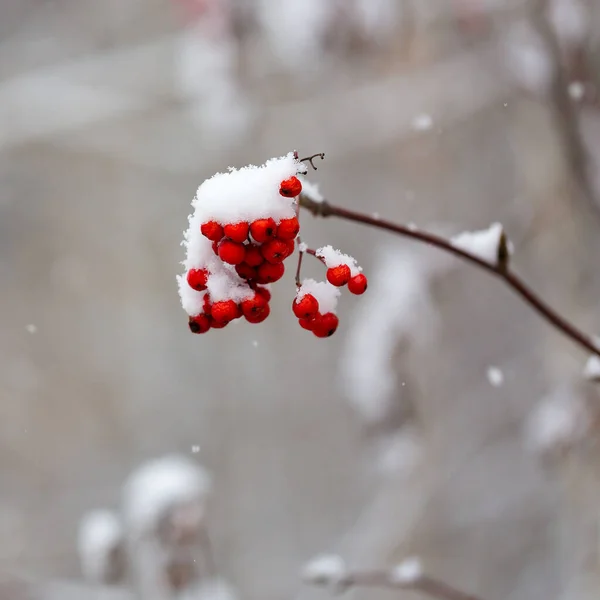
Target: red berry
{"x": 288, "y": 229}
{"x": 264, "y": 292}
{"x": 224, "y": 311}
{"x": 263, "y": 229}
{"x": 269, "y": 273}
{"x": 237, "y": 232}
{"x": 339, "y": 275}
{"x": 197, "y": 278}
{"x": 245, "y": 271}
{"x": 358, "y": 284}
{"x": 212, "y": 230}
{"x": 290, "y": 187}
{"x": 291, "y": 245}
{"x": 215, "y": 247}
{"x": 306, "y": 307}
{"x": 251, "y": 307}
{"x": 275, "y": 251}
{"x": 231, "y": 252}
{"x": 325, "y": 325}
{"x": 207, "y": 304}
{"x": 199, "y": 323}
{"x": 218, "y": 324}
{"x": 307, "y": 323}
{"x": 254, "y": 256}
{"x": 259, "y": 317}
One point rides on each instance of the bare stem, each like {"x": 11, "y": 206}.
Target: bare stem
{"x": 427, "y": 585}
{"x": 502, "y": 271}
{"x": 310, "y": 159}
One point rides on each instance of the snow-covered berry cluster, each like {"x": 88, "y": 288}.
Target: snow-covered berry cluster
{"x": 243, "y": 228}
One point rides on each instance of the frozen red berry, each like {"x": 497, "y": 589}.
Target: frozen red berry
{"x": 306, "y": 307}
{"x": 291, "y": 245}
{"x": 254, "y": 256}
{"x": 237, "y": 232}
{"x": 251, "y": 307}
{"x": 263, "y": 229}
{"x": 215, "y": 247}
{"x": 264, "y": 292}
{"x": 259, "y": 317}
{"x": 224, "y": 311}
{"x": 232, "y": 253}
{"x": 275, "y": 251}
{"x": 197, "y": 279}
{"x": 245, "y": 271}
{"x": 199, "y": 323}
{"x": 307, "y": 323}
{"x": 207, "y": 304}
{"x": 212, "y": 230}
{"x": 290, "y": 187}
{"x": 288, "y": 229}
{"x": 325, "y": 325}
{"x": 357, "y": 284}
{"x": 218, "y": 324}
{"x": 270, "y": 273}
{"x": 339, "y": 275}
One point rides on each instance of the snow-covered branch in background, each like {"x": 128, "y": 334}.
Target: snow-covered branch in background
{"x": 330, "y": 570}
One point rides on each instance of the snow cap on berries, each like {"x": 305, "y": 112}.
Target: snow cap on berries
{"x": 334, "y": 258}
{"x": 326, "y": 294}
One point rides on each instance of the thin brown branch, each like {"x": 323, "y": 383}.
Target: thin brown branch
{"x": 425, "y": 584}
{"x": 310, "y": 159}
{"x": 500, "y": 270}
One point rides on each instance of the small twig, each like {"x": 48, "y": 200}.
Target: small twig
{"x": 325, "y": 209}
{"x": 299, "y": 267}
{"x": 430, "y": 586}
{"x": 310, "y": 159}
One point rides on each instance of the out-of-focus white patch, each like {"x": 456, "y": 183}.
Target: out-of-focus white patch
{"x": 423, "y": 122}
{"x": 31, "y": 328}
{"x": 591, "y": 370}
{"x": 100, "y": 534}
{"x": 161, "y": 485}
{"x": 576, "y": 90}
{"x": 408, "y": 572}
{"x": 399, "y": 454}
{"x": 210, "y": 589}
{"x": 311, "y": 190}
{"x": 560, "y": 420}
{"x": 325, "y": 568}
{"x": 570, "y": 19}
{"x": 495, "y": 376}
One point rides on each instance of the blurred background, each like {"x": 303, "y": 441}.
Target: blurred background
{"x": 444, "y": 419}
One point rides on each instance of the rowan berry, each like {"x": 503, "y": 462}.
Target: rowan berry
{"x": 197, "y": 278}
{"x": 325, "y": 325}
{"x": 215, "y": 247}
{"x": 263, "y": 229}
{"x": 232, "y": 253}
{"x": 237, "y": 232}
{"x": 207, "y": 304}
{"x": 290, "y": 187}
{"x": 288, "y": 229}
{"x": 218, "y": 324}
{"x": 291, "y": 245}
{"x": 357, "y": 284}
{"x": 251, "y": 307}
{"x": 270, "y": 273}
{"x": 264, "y": 292}
{"x": 259, "y": 317}
{"x": 245, "y": 271}
{"x": 306, "y": 307}
{"x": 339, "y": 275}
{"x": 307, "y": 324}
{"x": 275, "y": 251}
{"x": 199, "y": 323}
{"x": 212, "y": 230}
{"x": 224, "y": 311}
{"x": 254, "y": 256}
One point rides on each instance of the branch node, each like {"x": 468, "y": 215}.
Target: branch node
{"x": 310, "y": 159}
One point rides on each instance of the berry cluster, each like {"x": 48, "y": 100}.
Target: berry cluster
{"x": 243, "y": 228}
{"x": 237, "y": 243}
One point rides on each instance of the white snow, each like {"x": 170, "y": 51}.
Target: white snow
{"x": 484, "y": 244}
{"x": 495, "y": 376}
{"x": 311, "y": 190}
{"x": 327, "y": 295}
{"x": 559, "y": 421}
{"x": 592, "y": 368}
{"x": 408, "y": 572}
{"x": 399, "y": 453}
{"x": 210, "y": 589}
{"x": 325, "y": 568}
{"x": 302, "y": 247}
{"x": 423, "y": 122}
{"x": 334, "y": 258}
{"x": 195, "y": 449}
{"x": 160, "y": 485}
{"x": 100, "y": 534}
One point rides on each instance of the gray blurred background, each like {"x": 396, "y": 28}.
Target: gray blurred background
{"x": 451, "y": 114}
